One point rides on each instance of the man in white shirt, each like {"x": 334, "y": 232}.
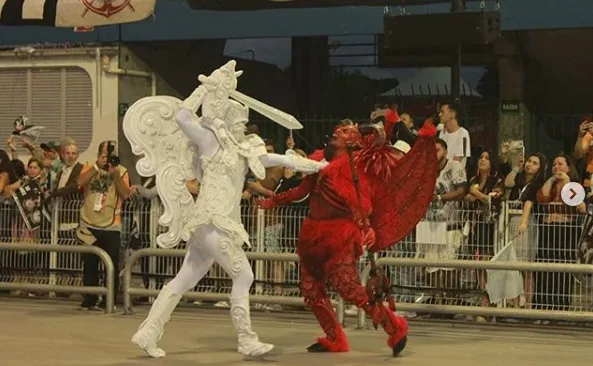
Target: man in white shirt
{"x": 456, "y": 137}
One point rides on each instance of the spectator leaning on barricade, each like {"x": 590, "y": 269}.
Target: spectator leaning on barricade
{"x": 66, "y": 180}
{"x": 35, "y": 174}
{"x": 275, "y": 271}
{"x": 26, "y": 226}
{"x": 140, "y": 230}
{"x": 7, "y": 214}
{"x": 456, "y": 137}
{"x": 558, "y": 237}
{"x": 105, "y": 185}
{"x": 49, "y": 154}
{"x": 290, "y": 219}
{"x": 522, "y": 183}
{"x": 141, "y": 205}
{"x": 66, "y": 198}
{"x": 483, "y": 202}
{"x": 440, "y": 235}
{"x": 66, "y": 188}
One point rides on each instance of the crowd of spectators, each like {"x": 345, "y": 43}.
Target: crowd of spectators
{"x": 483, "y": 201}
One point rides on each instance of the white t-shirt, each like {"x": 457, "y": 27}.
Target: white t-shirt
{"x": 458, "y": 144}
{"x": 66, "y": 171}
{"x": 451, "y": 177}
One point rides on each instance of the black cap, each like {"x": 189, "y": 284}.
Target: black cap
{"x": 50, "y": 145}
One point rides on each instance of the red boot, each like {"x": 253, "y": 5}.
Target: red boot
{"x": 397, "y": 340}
{"x": 340, "y": 344}
{"x": 395, "y": 326}
{"x": 335, "y": 339}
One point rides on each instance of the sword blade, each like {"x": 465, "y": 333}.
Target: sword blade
{"x": 282, "y": 118}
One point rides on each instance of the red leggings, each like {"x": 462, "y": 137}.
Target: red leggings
{"x": 344, "y": 277}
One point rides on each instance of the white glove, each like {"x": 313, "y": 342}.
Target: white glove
{"x": 196, "y": 98}
{"x": 305, "y": 165}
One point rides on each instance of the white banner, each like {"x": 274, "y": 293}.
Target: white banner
{"x": 502, "y": 284}
{"x": 86, "y": 13}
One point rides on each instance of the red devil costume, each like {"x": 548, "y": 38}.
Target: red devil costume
{"x": 388, "y": 199}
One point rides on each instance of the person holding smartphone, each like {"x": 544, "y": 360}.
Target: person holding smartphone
{"x": 583, "y": 148}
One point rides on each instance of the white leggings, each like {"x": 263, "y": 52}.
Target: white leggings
{"x": 206, "y": 246}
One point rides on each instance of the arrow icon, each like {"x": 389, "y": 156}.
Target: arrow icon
{"x": 572, "y": 194}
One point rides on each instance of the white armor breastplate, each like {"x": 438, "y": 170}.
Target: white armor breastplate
{"x": 223, "y": 178}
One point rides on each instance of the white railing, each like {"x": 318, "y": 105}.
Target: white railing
{"x": 471, "y": 236}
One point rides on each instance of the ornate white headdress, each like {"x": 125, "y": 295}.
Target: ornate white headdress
{"x": 236, "y": 113}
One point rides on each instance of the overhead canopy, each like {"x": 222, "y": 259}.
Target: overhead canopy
{"x": 290, "y": 4}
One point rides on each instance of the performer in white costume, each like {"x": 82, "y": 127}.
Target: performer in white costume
{"x": 216, "y": 147}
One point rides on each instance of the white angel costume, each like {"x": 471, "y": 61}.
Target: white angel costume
{"x": 215, "y": 150}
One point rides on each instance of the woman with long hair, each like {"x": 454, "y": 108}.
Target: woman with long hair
{"x": 484, "y": 197}
{"x": 558, "y": 236}
{"x": 523, "y": 182}
{"x": 33, "y": 265}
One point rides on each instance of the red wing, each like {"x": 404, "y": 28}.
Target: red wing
{"x": 401, "y": 190}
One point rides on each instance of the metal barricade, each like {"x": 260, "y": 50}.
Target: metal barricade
{"x": 106, "y": 291}
{"x": 485, "y": 265}
{"x": 128, "y": 291}
{"x": 273, "y": 234}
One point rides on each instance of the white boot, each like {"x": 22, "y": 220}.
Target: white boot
{"x": 249, "y": 344}
{"x": 151, "y": 330}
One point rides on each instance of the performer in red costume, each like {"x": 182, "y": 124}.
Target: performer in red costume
{"x": 384, "y": 205}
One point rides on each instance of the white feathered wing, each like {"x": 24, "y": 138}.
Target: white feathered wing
{"x": 150, "y": 127}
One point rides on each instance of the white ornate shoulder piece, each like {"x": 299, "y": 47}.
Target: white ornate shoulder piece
{"x": 258, "y": 144}
{"x": 150, "y": 127}
{"x": 258, "y": 148}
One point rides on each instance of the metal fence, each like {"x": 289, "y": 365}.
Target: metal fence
{"x": 38, "y": 275}
{"x": 424, "y": 278}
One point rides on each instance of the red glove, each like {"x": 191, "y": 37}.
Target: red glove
{"x": 391, "y": 119}
{"x": 267, "y": 203}
{"x": 428, "y": 129}
{"x": 391, "y": 116}
{"x": 360, "y": 221}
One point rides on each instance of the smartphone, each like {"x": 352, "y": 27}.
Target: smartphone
{"x": 589, "y": 119}
{"x": 517, "y": 148}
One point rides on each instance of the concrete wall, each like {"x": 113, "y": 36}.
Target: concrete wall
{"x": 550, "y": 73}
{"x": 563, "y": 59}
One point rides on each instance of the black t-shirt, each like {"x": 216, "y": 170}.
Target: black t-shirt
{"x": 524, "y": 193}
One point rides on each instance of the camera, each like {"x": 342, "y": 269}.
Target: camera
{"x": 112, "y": 159}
